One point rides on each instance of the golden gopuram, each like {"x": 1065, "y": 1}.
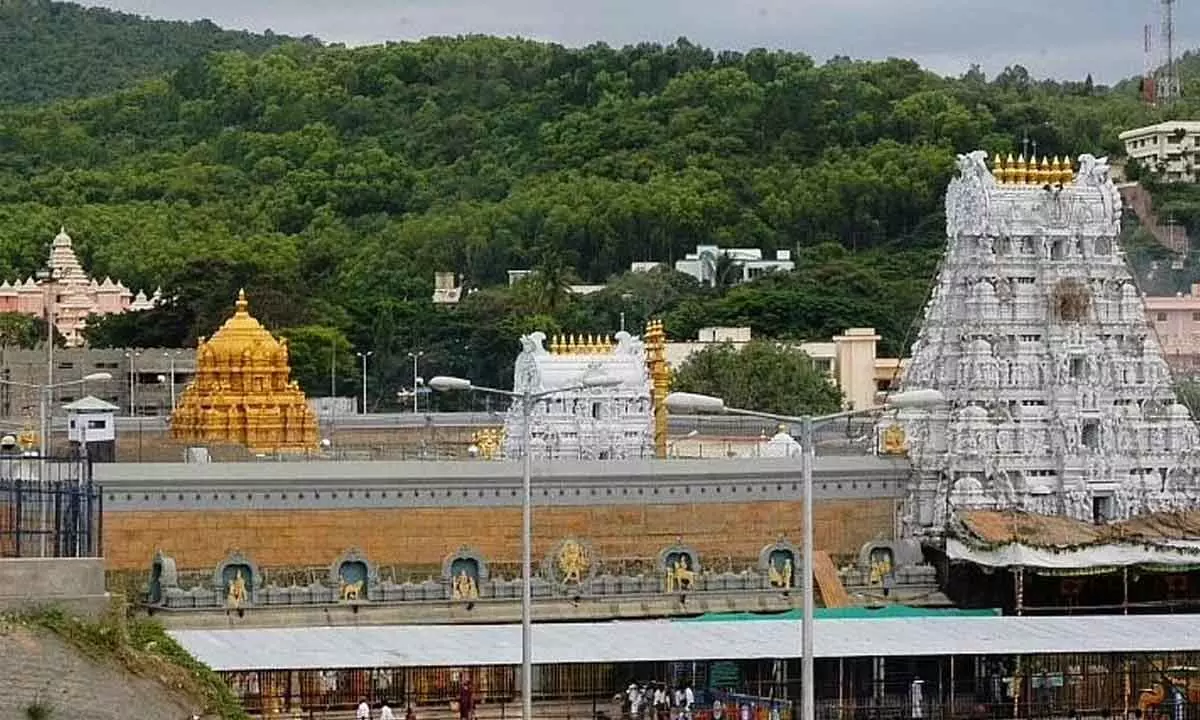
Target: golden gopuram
{"x": 242, "y": 393}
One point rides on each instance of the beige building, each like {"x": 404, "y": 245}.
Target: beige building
{"x": 141, "y": 381}
{"x": 1168, "y": 148}
{"x": 1176, "y": 322}
{"x": 850, "y": 359}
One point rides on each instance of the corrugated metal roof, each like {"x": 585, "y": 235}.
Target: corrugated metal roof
{"x": 314, "y": 648}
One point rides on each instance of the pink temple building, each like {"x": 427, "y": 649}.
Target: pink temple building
{"x": 68, "y": 295}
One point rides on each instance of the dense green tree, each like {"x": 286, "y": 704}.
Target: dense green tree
{"x": 55, "y": 50}
{"x": 332, "y": 183}
{"x": 761, "y": 375}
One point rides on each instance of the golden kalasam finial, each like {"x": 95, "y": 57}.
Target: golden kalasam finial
{"x": 1010, "y": 170}
{"x": 556, "y": 345}
{"x": 1055, "y": 170}
{"x": 1022, "y": 169}
{"x": 242, "y": 306}
{"x": 998, "y": 168}
{"x": 1068, "y": 171}
{"x": 1045, "y": 175}
{"x": 1031, "y": 175}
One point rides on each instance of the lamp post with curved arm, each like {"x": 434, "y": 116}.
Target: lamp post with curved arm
{"x": 527, "y": 398}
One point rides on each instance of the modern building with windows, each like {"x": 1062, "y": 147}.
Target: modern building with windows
{"x": 1166, "y": 148}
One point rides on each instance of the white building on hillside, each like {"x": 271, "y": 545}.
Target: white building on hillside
{"x": 1167, "y": 148}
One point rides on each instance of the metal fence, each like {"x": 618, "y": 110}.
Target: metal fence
{"x": 49, "y": 507}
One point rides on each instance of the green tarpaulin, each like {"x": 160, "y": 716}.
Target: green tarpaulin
{"x": 850, "y": 613}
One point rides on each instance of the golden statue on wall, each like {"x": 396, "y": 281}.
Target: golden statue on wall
{"x": 572, "y": 562}
{"x": 489, "y": 441}
{"x": 351, "y": 590}
{"x": 781, "y": 576}
{"x": 236, "y": 596}
{"x": 464, "y": 587}
{"x": 895, "y": 442}
{"x": 679, "y": 575}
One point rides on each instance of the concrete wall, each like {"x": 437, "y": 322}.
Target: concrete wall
{"x": 74, "y": 584}
{"x": 415, "y": 513}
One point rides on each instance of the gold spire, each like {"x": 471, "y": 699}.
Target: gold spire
{"x": 1010, "y": 170}
{"x": 1055, "y": 170}
{"x": 1068, "y": 171}
{"x": 1022, "y": 169}
{"x": 998, "y": 168}
{"x": 660, "y": 376}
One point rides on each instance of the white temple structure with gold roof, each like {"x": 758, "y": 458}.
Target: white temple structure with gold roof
{"x": 1059, "y": 399}
{"x": 242, "y": 393}
{"x": 624, "y": 421}
{"x": 69, "y": 295}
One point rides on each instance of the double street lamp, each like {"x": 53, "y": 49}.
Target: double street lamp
{"x": 526, "y": 398}
{"x": 709, "y": 405}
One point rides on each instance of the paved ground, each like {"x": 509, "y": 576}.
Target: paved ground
{"x": 36, "y": 665}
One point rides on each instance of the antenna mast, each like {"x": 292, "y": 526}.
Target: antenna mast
{"x": 1148, "y": 94}
{"x": 1168, "y": 88}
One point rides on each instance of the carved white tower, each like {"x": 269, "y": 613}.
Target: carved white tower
{"x": 1059, "y": 399}
{"x": 600, "y": 423}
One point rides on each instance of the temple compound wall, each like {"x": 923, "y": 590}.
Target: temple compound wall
{"x": 415, "y": 514}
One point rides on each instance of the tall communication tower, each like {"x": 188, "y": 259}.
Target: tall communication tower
{"x": 1168, "y": 85}
{"x": 1149, "y": 96}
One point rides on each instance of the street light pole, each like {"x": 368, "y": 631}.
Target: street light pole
{"x": 527, "y": 558}
{"x": 808, "y": 708}
{"x": 690, "y": 402}
{"x": 364, "y": 356}
{"x": 527, "y": 398}
{"x": 415, "y": 357}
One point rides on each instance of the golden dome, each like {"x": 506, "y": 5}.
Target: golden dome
{"x": 242, "y": 392}
{"x": 239, "y": 334}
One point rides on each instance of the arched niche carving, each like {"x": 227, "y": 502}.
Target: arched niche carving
{"x": 354, "y": 576}
{"x": 780, "y": 562}
{"x": 679, "y": 566}
{"x": 464, "y": 573}
{"x": 237, "y": 578}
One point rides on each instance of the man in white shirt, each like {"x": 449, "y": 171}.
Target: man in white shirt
{"x": 385, "y": 712}
{"x": 363, "y": 712}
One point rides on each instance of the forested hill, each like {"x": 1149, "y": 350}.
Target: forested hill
{"x": 52, "y": 50}
{"x": 334, "y": 182}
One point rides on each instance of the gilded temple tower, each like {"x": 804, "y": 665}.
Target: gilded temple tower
{"x": 660, "y": 378}
{"x": 242, "y": 392}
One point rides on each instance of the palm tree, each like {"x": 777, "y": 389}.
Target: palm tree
{"x": 551, "y": 284}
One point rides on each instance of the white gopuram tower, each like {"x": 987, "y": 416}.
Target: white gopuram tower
{"x": 601, "y": 423}
{"x": 1059, "y": 400}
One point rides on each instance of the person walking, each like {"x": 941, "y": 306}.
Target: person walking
{"x": 364, "y": 710}
{"x": 466, "y": 700}
{"x": 385, "y": 712}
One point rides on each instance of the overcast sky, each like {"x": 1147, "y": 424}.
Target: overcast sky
{"x": 1057, "y": 38}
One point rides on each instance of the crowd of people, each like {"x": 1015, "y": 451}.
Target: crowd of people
{"x": 655, "y": 701}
